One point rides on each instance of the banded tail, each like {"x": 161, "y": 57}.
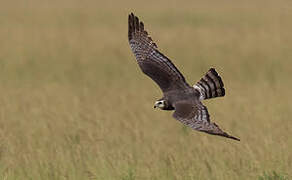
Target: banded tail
{"x": 210, "y": 86}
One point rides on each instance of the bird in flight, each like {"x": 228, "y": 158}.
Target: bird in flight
{"x": 178, "y": 95}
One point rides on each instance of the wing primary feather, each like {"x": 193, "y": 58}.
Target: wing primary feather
{"x": 141, "y": 26}
{"x": 153, "y": 63}
{"x": 195, "y": 115}
{"x": 131, "y": 26}
{"x": 136, "y": 23}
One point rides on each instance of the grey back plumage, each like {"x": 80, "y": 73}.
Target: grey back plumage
{"x": 180, "y": 96}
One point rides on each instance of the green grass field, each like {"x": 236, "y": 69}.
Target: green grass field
{"x": 75, "y": 105}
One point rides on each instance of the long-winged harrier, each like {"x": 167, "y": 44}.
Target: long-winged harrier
{"x": 178, "y": 95}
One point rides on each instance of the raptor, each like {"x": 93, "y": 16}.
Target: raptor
{"x": 178, "y": 95}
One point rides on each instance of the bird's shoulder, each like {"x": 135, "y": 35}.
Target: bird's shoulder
{"x": 189, "y": 95}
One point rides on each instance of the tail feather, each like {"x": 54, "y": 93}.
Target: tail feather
{"x": 210, "y": 86}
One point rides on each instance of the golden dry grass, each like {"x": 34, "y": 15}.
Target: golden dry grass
{"x": 74, "y": 104}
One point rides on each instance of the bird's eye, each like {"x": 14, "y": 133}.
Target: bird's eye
{"x": 159, "y": 102}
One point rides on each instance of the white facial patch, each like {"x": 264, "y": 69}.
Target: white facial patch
{"x": 159, "y": 104}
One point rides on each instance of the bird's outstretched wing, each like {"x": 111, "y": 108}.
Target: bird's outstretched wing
{"x": 196, "y": 116}
{"x": 153, "y": 63}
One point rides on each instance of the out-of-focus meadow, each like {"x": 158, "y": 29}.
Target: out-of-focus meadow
{"x": 74, "y": 104}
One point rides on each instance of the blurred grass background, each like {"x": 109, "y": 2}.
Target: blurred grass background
{"x": 74, "y": 104}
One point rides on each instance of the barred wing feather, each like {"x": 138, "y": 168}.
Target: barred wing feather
{"x": 195, "y": 115}
{"x": 152, "y": 62}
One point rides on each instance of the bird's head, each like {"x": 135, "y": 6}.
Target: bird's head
{"x": 161, "y": 104}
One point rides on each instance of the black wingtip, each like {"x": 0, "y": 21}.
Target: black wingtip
{"x": 232, "y": 137}
{"x": 131, "y": 26}
{"x": 142, "y": 26}
{"x": 224, "y": 134}
{"x": 136, "y": 28}
{"x": 136, "y": 23}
